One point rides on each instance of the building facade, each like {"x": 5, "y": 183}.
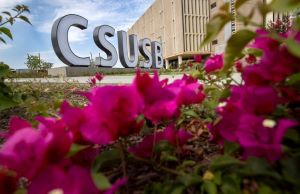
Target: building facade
{"x": 180, "y": 26}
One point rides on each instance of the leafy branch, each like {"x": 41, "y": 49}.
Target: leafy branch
{"x": 9, "y": 18}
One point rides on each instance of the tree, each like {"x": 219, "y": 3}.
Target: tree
{"x": 34, "y": 62}
{"x": 4, "y": 70}
{"x": 8, "y": 18}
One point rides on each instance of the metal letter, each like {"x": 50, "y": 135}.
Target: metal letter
{"x": 123, "y": 49}
{"x": 60, "y": 43}
{"x": 145, "y": 53}
{"x": 99, "y": 38}
{"x": 157, "y": 55}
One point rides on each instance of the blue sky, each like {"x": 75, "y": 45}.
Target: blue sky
{"x": 120, "y": 14}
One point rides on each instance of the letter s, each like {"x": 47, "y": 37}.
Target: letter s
{"x": 99, "y": 38}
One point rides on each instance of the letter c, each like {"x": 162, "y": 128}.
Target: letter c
{"x": 60, "y": 42}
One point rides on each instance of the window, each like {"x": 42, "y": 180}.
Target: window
{"x": 214, "y": 42}
{"x": 213, "y": 5}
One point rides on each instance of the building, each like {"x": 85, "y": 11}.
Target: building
{"x": 180, "y": 26}
{"x": 219, "y": 44}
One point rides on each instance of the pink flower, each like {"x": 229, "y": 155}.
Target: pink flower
{"x": 68, "y": 179}
{"x": 198, "y": 58}
{"x": 263, "y": 41}
{"x": 15, "y": 124}
{"x": 173, "y": 137}
{"x": 73, "y": 117}
{"x": 29, "y": 150}
{"x": 99, "y": 76}
{"x": 214, "y": 63}
{"x": 251, "y": 59}
{"x": 111, "y": 113}
{"x": 252, "y": 99}
{"x": 159, "y": 102}
{"x": 24, "y": 152}
{"x": 276, "y": 64}
{"x": 56, "y": 137}
{"x": 259, "y": 140}
{"x": 187, "y": 90}
{"x": 92, "y": 81}
{"x": 239, "y": 66}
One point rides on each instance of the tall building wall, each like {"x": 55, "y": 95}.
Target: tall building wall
{"x": 179, "y": 25}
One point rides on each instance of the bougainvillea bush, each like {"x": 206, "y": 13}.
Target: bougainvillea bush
{"x": 247, "y": 98}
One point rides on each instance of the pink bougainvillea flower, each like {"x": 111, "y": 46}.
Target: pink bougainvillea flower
{"x": 262, "y": 138}
{"x": 56, "y": 137}
{"x": 198, "y": 58}
{"x": 187, "y": 90}
{"x": 29, "y": 150}
{"x": 253, "y": 99}
{"x": 263, "y": 41}
{"x": 111, "y": 113}
{"x": 86, "y": 156}
{"x": 239, "y": 66}
{"x": 63, "y": 179}
{"x": 99, "y": 76}
{"x": 159, "y": 102}
{"x": 73, "y": 117}
{"x": 276, "y": 64}
{"x": 251, "y": 59}
{"x": 24, "y": 152}
{"x": 170, "y": 134}
{"x": 214, "y": 63}
{"x": 15, "y": 124}
{"x": 8, "y": 182}
{"x": 92, "y": 81}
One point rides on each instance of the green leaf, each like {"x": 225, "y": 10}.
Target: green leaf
{"x": 6, "y": 102}
{"x": 258, "y": 167}
{"x": 292, "y": 135}
{"x": 6, "y": 31}
{"x": 230, "y": 148}
{"x": 191, "y": 113}
{"x": 215, "y": 25}
{"x": 296, "y": 23}
{"x": 210, "y": 187}
{"x": 190, "y": 179}
{"x": 235, "y": 46}
{"x": 163, "y": 146}
{"x": 293, "y": 46}
{"x": 263, "y": 189}
{"x": 224, "y": 161}
{"x": 293, "y": 80}
{"x": 0, "y": 18}
{"x": 285, "y": 5}
{"x": 166, "y": 157}
{"x": 239, "y": 3}
{"x": 106, "y": 157}
{"x": 24, "y": 18}
{"x": 254, "y": 51}
{"x": 7, "y": 13}
{"x": 291, "y": 170}
{"x": 75, "y": 148}
{"x": 101, "y": 181}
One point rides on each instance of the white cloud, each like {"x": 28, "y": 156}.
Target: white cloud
{"x": 5, "y": 46}
{"x": 9, "y": 4}
{"x": 119, "y": 14}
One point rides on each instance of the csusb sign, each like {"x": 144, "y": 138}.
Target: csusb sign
{"x": 59, "y": 37}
